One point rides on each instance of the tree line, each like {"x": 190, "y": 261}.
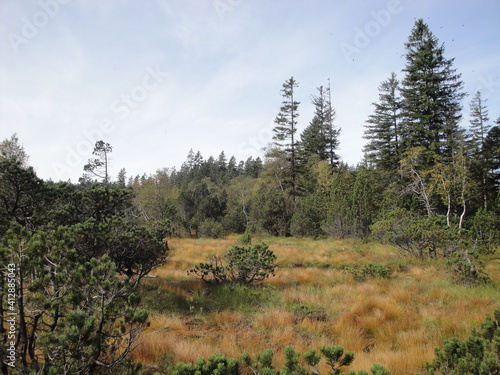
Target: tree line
{"x": 418, "y": 157}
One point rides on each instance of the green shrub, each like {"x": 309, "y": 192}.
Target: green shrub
{"x": 335, "y": 357}
{"x": 415, "y": 235}
{"x": 211, "y": 228}
{"x": 485, "y": 231}
{"x": 217, "y": 364}
{"x": 243, "y": 265}
{"x": 369, "y": 271}
{"x": 467, "y": 269}
{"x": 478, "y": 354}
{"x": 245, "y": 239}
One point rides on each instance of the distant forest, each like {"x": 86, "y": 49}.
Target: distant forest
{"x": 418, "y": 158}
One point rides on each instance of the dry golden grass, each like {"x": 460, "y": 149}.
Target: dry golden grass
{"x": 395, "y": 322}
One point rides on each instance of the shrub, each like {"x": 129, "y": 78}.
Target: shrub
{"x": 245, "y": 239}
{"x": 239, "y": 264}
{"x": 414, "y": 235}
{"x": 485, "y": 231}
{"x": 210, "y": 228}
{"x": 335, "y": 357}
{"x": 217, "y": 364}
{"x": 369, "y": 271}
{"x": 478, "y": 354}
{"x": 466, "y": 270}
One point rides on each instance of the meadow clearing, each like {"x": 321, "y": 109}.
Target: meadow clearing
{"x": 311, "y": 301}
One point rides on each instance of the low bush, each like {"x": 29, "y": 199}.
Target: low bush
{"x": 477, "y": 355}
{"x": 335, "y": 357}
{"x": 242, "y": 265}
{"x": 466, "y": 269}
{"x": 369, "y": 271}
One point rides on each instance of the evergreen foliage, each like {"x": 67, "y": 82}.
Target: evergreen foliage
{"x": 78, "y": 256}
{"x": 431, "y": 91}
{"x": 240, "y": 264}
{"x": 478, "y": 354}
{"x": 383, "y": 128}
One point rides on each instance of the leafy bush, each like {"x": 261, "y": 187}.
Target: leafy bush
{"x": 369, "y": 271}
{"x": 335, "y": 357}
{"x": 239, "y": 264}
{"x": 217, "y": 364}
{"x": 485, "y": 231}
{"x": 478, "y": 354}
{"x": 210, "y": 228}
{"x": 414, "y": 235}
{"x": 245, "y": 239}
{"x": 466, "y": 270}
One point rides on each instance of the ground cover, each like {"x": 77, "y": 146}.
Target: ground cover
{"x": 313, "y": 300}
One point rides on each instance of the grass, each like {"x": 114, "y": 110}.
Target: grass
{"x": 311, "y": 302}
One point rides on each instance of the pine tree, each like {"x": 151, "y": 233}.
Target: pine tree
{"x": 320, "y": 137}
{"x": 286, "y": 127}
{"x": 332, "y": 134}
{"x": 479, "y": 129}
{"x": 492, "y": 153}
{"x": 431, "y": 92}
{"x": 383, "y": 128}
{"x": 100, "y": 165}
{"x": 13, "y": 150}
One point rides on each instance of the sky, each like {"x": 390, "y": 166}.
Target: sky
{"x": 156, "y": 78}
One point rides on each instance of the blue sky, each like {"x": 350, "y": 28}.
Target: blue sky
{"x": 157, "y": 78}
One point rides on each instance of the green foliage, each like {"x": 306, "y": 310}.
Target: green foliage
{"x": 79, "y": 257}
{"x": 369, "y": 271}
{"x": 431, "y": 92}
{"x": 217, "y": 364}
{"x": 335, "y": 356}
{"x": 74, "y": 312}
{"x": 239, "y": 264}
{"x": 485, "y": 231}
{"x": 477, "y": 355}
{"x": 414, "y": 235}
{"x": 383, "y": 128}
{"x": 98, "y": 167}
{"x": 245, "y": 239}
{"x": 308, "y": 217}
{"x": 466, "y": 269}
{"x": 211, "y": 228}
{"x": 353, "y": 206}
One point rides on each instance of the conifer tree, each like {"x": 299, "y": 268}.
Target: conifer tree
{"x": 99, "y": 166}
{"x": 383, "y": 128}
{"x": 320, "y": 137}
{"x": 332, "y": 133}
{"x": 431, "y": 92}
{"x": 286, "y": 127}
{"x": 479, "y": 130}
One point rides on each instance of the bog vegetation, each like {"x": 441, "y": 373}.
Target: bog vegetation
{"x": 294, "y": 264}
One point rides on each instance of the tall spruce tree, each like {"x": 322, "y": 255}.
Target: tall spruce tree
{"x": 479, "y": 129}
{"x": 431, "y": 91}
{"x": 383, "y": 128}
{"x": 332, "y": 133}
{"x": 321, "y": 137}
{"x": 286, "y": 127}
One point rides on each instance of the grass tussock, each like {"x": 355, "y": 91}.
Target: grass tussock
{"x": 311, "y": 302}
